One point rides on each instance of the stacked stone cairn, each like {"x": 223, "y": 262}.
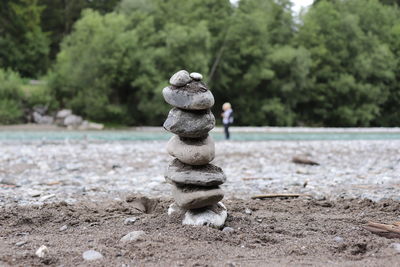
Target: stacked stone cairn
{"x": 195, "y": 181}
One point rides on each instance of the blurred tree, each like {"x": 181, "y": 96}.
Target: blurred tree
{"x": 351, "y": 63}
{"x": 23, "y": 45}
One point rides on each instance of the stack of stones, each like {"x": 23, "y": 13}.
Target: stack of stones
{"x": 195, "y": 181}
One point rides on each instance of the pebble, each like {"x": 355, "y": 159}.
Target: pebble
{"x": 188, "y": 99}
{"x": 228, "y": 230}
{"x": 248, "y": 211}
{"x": 181, "y": 78}
{"x": 63, "y": 228}
{"x": 189, "y": 123}
{"x": 395, "y": 246}
{"x": 194, "y": 197}
{"x": 214, "y": 216}
{"x": 174, "y": 209}
{"x": 196, "y": 76}
{"x": 91, "y": 255}
{"x": 192, "y": 151}
{"x": 42, "y": 251}
{"x": 338, "y": 239}
{"x": 184, "y": 174}
{"x": 130, "y": 220}
{"x": 133, "y": 236}
{"x": 44, "y": 198}
{"x": 21, "y": 243}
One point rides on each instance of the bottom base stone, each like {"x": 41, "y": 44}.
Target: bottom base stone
{"x": 213, "y": 216}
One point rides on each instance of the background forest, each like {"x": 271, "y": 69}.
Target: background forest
{"x": 337, "y": 64}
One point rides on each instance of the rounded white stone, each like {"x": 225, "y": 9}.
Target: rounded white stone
{"x": 196, "y": 76}
{"x": 213, "y": 216}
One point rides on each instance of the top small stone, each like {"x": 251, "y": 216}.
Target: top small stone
{"x": 196, "y": 76}
{"x": 181, "y": 78}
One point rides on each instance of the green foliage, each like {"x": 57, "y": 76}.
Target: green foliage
{"x": 11, "y": 97}
{"x": 24, "y": 46}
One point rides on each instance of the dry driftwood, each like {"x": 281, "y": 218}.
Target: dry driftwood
{"x": 385, "y": 230}
{"x": 278, "y": 195}
{"x": 305, "y": 161}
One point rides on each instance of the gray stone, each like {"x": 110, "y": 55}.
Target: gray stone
{"x": 62, "y": 114}
{"x": 192, "y": 124}
{"x": 213, "y": 216}
{"x": 130, "y": 220}
{"x": 63, "y": 228}
{"x": 133, "y": 236}
{"x": 248, "y": 211}
{"x": 73, "y": 121}
{"x": 338, "y": 239}
{"x": 196, "y": 76}
{"x": 195, "y": 197}
{"x": 20, "y": 243}
{"x": 92, "y": 255}
{"x": 42, "y": 119}
{"x": 44, "y": 198}
{"x": 192, "y": 151}
{"x": 203, "y": 175}
{"x": 181, "y": 78}
{"x": 395, "y": 246}
{"x": 193, "y": 96}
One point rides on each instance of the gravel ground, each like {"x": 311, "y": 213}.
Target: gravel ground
{"x": 35, "y": 172}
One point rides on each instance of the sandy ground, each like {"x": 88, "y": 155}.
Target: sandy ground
{"x": 75, "y": 196}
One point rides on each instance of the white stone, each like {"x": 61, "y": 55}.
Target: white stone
{"x": 213, "y": 216}
{"x": 130, "y": 220}
{"x": 133, "y": 236}
{"x": 174, "y": 209}
{"x": 42, "y": 251}
{"x": 192, "y": 151}
{"x": 44, "y": 198}
{"x": 196, "y": 76}
{"x": 91, "y": 255}
{"x": 63, "y": 113}
{"x": 63, "y": 228}
{"x": 181, "y": 78}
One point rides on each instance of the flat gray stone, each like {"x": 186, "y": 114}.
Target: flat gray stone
{"x": 192, "y": 124}
{"x": 196, "y": 76}
{"x": 133, "y": 236}
{"x": 181, "y": 78}
{"x": 91, "y": 255}
{"x": 194, "y": 197}
{"x": 192, "y": 151}
{"x": 213, "y": 216}
{"x": 203, "y": 175}
{"x": 193, "y": 96}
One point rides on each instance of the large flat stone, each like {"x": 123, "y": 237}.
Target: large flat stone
{"x": 213, "y": 216}
{"x": 192, "y": 151}
{"x": 193, "y": 96}
{"x": 194, "y": 197}
{"x": 192, "y": 124}
{"x": 202, "y": 175}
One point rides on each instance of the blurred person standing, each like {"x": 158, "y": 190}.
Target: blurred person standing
{"x": 227, "y": 118}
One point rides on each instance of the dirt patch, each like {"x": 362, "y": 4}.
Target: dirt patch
{"x": 266, "y": 232}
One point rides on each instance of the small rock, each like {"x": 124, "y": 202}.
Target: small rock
{"x": 187, "y": 98}
{"x": 42, "y": 251}
{"x": 181, "y": 78}
{"x": 192, "y": 151}
{"x": 338, "y": 239}
{"x": 130, "y": 220}
{"x": 91, "y": 255}
{"x": 20, "y": 243}
{"x": 196, "y": 76}
{"x": 248, "y": 211}
{"x": 193, "y": 124}
{"x": 185, "y": 174}
{"x": 395, "y": 246}
{"x": 174, "y": 209}
{"x": 63, "y": 228}
{"x": 73, "y": 121}
{"x": 228, "y": 230}
{"x": 133, "y": 236}
{"x": 62, "y": 114}
{"x": 195, "y": 197}
{"x": 44, "y": 198}
{"x": 213, "y": 216}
